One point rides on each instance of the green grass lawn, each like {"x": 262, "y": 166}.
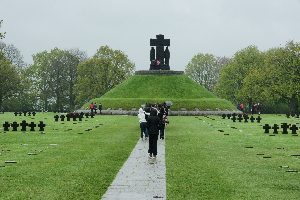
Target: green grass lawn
{"x": 70, "y": 164}
{"x": 203, "y": 163}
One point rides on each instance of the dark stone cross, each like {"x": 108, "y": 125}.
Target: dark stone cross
{"x": 252, "y": 119}
{"x": 74, "y": 116}
{"x": 285, "y": 127}
{"x": 6, "y": 125}
{"x": 41, "y": 125}
{"x": 80, "y": 117}
{"x": 233, "y": 118}
{"x": 267, "y": 128}
{"x": 62, "y": 118}
{"x": 15, "y": 126}
{"x": 20, "y": 113}
{"x": 92, "y": 115}
{"x": 87, "y": 115}
{"x": 68, "y": 116}
{"x": 228, "y": 116}
{"x": 240, "y": 118}
{"x": 275, "y": 128}
{"x": 288, "y": 115}
{"x": 160, "y": 58}
{"x": 258, "y": 119}
{"x": 29, "y": 113}
{"x": 24, "y": 124}
{"x": 33, "y": 113}
{"x": 24, "y": 113}
{"x": 223, "y": 116}
{"x": 246, "y": 117}
{"x": 294, "y": 129}
{"x": 15, "y": 113}
{"x": 32, "y": 125}
{"x": 56, "y": 118}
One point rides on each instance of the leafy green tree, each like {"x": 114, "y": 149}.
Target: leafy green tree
{"x": 284, "y": 71}
{"x": 232, "y": 75}
{"x": 9, "y": 79}
{"x": 54, "y": 74}
{"x": 205, "y": 69}
{"x": 12, "y": 54}
{"x": 97, "y": 75}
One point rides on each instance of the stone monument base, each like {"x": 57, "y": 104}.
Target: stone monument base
{"x": 158, "y": 72}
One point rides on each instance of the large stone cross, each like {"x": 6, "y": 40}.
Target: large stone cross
{"x": 161, "y": 55}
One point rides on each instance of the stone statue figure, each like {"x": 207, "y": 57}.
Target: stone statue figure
{"x": 152, "y": 54}
{"x": 167, "y": 56}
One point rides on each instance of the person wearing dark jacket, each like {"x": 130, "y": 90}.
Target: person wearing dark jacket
{"x": 153, "y": 128}
{"x": 161, "y": 116}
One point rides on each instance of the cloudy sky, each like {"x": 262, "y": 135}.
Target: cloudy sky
{"x": 219, "y": 27}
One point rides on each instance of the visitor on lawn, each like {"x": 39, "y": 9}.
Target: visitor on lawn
{"x": 92, "y": 107}
{"x": 95, "y": 108}
{"x": 153, "y": 125}
{"x": 258, "y": 108}
{"x": 100, "y": 107}
{"x": 143, "y": 123}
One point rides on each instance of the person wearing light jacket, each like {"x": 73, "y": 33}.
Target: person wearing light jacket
{"x": 143, "y": 123}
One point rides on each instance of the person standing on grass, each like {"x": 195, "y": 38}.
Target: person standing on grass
{"x": 92, "y": 107}
{"x": 143, "y": 123}
{"x": 153, "y": 127}
{"x": 100, "y": 108}
{"x": 95, "y": 108}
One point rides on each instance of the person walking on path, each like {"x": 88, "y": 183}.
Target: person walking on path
{"x": 153, "y": 127}
{"x": 143, "y": 123}
{"x": 161, "y": 116}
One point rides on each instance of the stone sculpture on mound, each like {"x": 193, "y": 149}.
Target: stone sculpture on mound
{"x": 160, "y": 57}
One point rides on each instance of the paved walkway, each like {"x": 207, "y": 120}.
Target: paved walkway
{"x": 139, "y": 180}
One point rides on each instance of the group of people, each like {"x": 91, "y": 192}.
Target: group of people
{"x": 93, "y": 108}
{"x": 153, "y": 120}
{"x": 253, "y": 108}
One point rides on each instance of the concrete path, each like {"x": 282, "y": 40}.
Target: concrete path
{"x": 139, "y": 180}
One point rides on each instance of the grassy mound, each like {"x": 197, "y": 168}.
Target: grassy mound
{"x": 181, "y": 90}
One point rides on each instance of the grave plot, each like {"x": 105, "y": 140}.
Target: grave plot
{"x": 58, "y": 157}
{"x": 247, "y": 156}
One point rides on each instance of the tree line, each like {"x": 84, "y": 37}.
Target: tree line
{"x": 270, "y": 77}
{"x": 58, "y": 80}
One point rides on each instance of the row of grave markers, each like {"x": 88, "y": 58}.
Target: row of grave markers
{"x": 292, "y": 115}
{"x": 23, "y": 126}
{"x": 241, "y": 117}
{"x": 74, "y": 116}
{"x": 285, "y": 127}
{"x": 25, "y": 113}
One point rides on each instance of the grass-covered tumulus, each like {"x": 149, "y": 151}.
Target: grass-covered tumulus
{"x": 180, "y": 89}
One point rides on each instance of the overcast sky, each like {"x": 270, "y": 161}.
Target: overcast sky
{"x": 219, "y": 27}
